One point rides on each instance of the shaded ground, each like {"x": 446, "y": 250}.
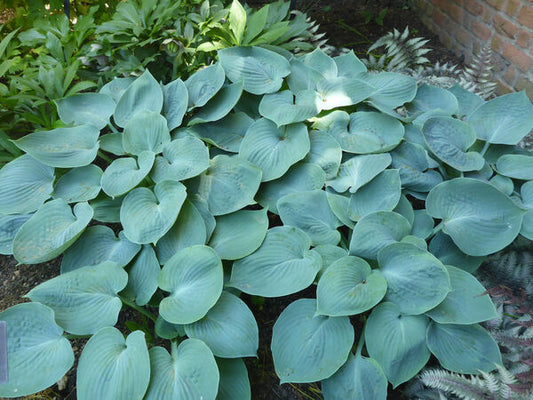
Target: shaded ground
{"x": 348, "y": 23}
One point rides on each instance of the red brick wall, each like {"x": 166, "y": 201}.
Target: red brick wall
{"x": 504, "y": 25}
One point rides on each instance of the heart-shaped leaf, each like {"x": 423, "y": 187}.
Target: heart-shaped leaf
{"x": 229, "y": 328}
{"x": 204, "y": 84}
{"x": 98, "y": 244}
{"x": 310, "y": 211}
{"x": 286, "y": 108}
{"x": 9, "y": 226}
{"x": 341, "y": 91}
{"x": 112, "y": 367}
{"x": 86, "y": 108}
{"x": 234, "y": 381}
{"x": 397, "y": 342}
{"x": 194, "y": 277}
{"x": 468, "y": 102}
{"x": 348, "y": 287}
{"x": 50, "y": 231}
{"x": 79, "y": 184}
{"x": 308, "y": 347}
{"x": 145, "y": 131}
{"x": 106, "y": 209}
{"x": 124, "y": 173}
{"x": 239, "y": 234}
{"x": 358, "y": 171}
{"x": 189, "y": 372}
{"x": 480, "y": 219}
{"x": 422, "y": 224}
{"x": 84, "y": 300}
{"x": 38, "y": 354}
{"x": 416, "y": 280}
{"x": 375, "y": 231}
{"x": 62, "y": 147}
{"x": 466, "y": 349}
{"x": 26, "y": 184}
{"x": 281, "y": 266}
{"x": 325, "y": 152}
{"x": 116, "y": 88}
{"x": 391, "y": 90}
{"x": 261, "y": 71}
{"x": 220, "y": 105}
{"x": 274, "y": 149}
{"x": 517, "y": 166}
{"x": 176, "y": 100}
{"x": 144, "y": 94}
{"x": 443, "y": 247}
{"x": 349, "y": 65}
{"x": 143, "y": 276}
{"x": 432, "y": 98}
{"x": 112, "y": 143}
{"x": 146, "y": 216}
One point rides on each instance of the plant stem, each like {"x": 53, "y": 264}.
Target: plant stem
{"x": 436, "y": 229}
{"x": 112, "y": 127}
{"x": 104, "y": 157}
{"x": 485, "y": 148}
{"x": 138, "y": 308}
{"x": 71, "y": 336}
{"x": 360, "y": 344}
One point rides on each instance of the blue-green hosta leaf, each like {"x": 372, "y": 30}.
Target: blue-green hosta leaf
{"x": 124, "y": 173}
{"x": 226, "y": 134}
{"x": 349, "y": 66}
{"x": 176, "y": 100}
{"x": 144, "y": 94}
{"x": 416, "y": 241}
{"x": 239, "y": 234}
{"x": 302, "y": 76}
{"x": 9, "y": 226}
{"x": 189, "y": 230}
{"x": 505, "y": 119}
{"x": 369, "y": 132}
{"x": 325, "y": 152}
{"x": 97, "y": 244}
{"x": 329, "y": 254}
{"x": 84, "y": 300}
{"x": 112, "y": 143}
{"x": 182, "y": 159}
{"x": 106, "y": 209}
{"x": 432, "y": 98}
{"x": 358, "y": 171}
{"x": 203, "y": 208}
{"x": 143, "y": 276}
{"x": 405, "y": 209}
{"x": 166, "y": 330}
{"x": 146, "y": 216}
{"x": 480, "y": 219}
{"x": 262, "y": 71}
{"x": 340, "y": 205}
{"x": 229, "y": 328}
{"x": 349, "y": 287}
{"x": 467, "y": 303}
{"x": 416, "y": 280}
{"x": 62, "y": 147}
{"x": 526, "y": 191}
{"x": 422, "y": 225}
{"x": 503, "y": 183}
{"x": 204, "y": 84}
{"x": 38, "y": 354}
{"x": 112, "y": 367}
{"x": 25, "y": 185}
{"x": 341, "y": 92}
{"x": 116, "y": 88}
{"x": 468, "y": 102}
{"x": 449, "y": 139}
{"x": 397, "y": 342}
{"x": 310, "y": 211}
{"x": 381, "y": 194}
{"x": 287, "y": 108}
{"x": 466, "y": 349}
{"x": 300, "y": 177}
{"x": 86, "y": 108}
{"x": 234, "y": 381}
{"x": 412, "y": 161}
{"x": 359, "y": 378}
{"x": 281, "y": 266}
{"x": 321, "y": 62}
{"x": 274, "y": 149}
{"x": 337, "y": 119}
{"x": 376, "y": 231}
{"x": 189, "y": 373}
{"x": 516, "y": 166}
{"x": 443, "y": 247}
{"x": 194, "y": 277}
{"x": 145, "y": 131}
{"x": 50, "y": 231}
{"x": 220, "y": 105}
{"x": 229, "y": 184}
{"x": 391, "y": 89}
{"x": 308, "y": 347}
{"x": 79, "y": 184}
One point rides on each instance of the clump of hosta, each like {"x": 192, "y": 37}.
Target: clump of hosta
{"x": 386, "y": 214}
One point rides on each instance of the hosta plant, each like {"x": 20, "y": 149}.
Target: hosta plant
{"x": 263, "y": 174}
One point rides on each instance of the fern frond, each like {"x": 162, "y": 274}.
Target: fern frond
{"x": 461, "y": 386}
{"x": 477, "y": 76}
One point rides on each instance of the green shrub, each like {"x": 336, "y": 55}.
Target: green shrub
{"x": 388, "y": 196}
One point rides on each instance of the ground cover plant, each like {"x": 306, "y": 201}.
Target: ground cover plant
{"x": 263, "y": 173}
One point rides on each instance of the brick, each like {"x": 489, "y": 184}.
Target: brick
{"x": 496, "y": 43}
{"x": 503, "y": 88}
{"x": 441, "y": 19}
{"x": 510, "y": 75}
{"x": 446, "y": 40}
{"x": 504, "y": 26}
{"x": 481, "y": 30}
{"x": 525, "y": 16}
{"x": 464, "y": 37}
{"x": 516, "y": 56}
{"x": 497, "y": 4}
{"x": 524, "y": 39}
{"x": 455, "y": 12}
{"x": 525, "y": 84}
{"x": 474, "y": 7}
{"x": 512, "y": 7}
